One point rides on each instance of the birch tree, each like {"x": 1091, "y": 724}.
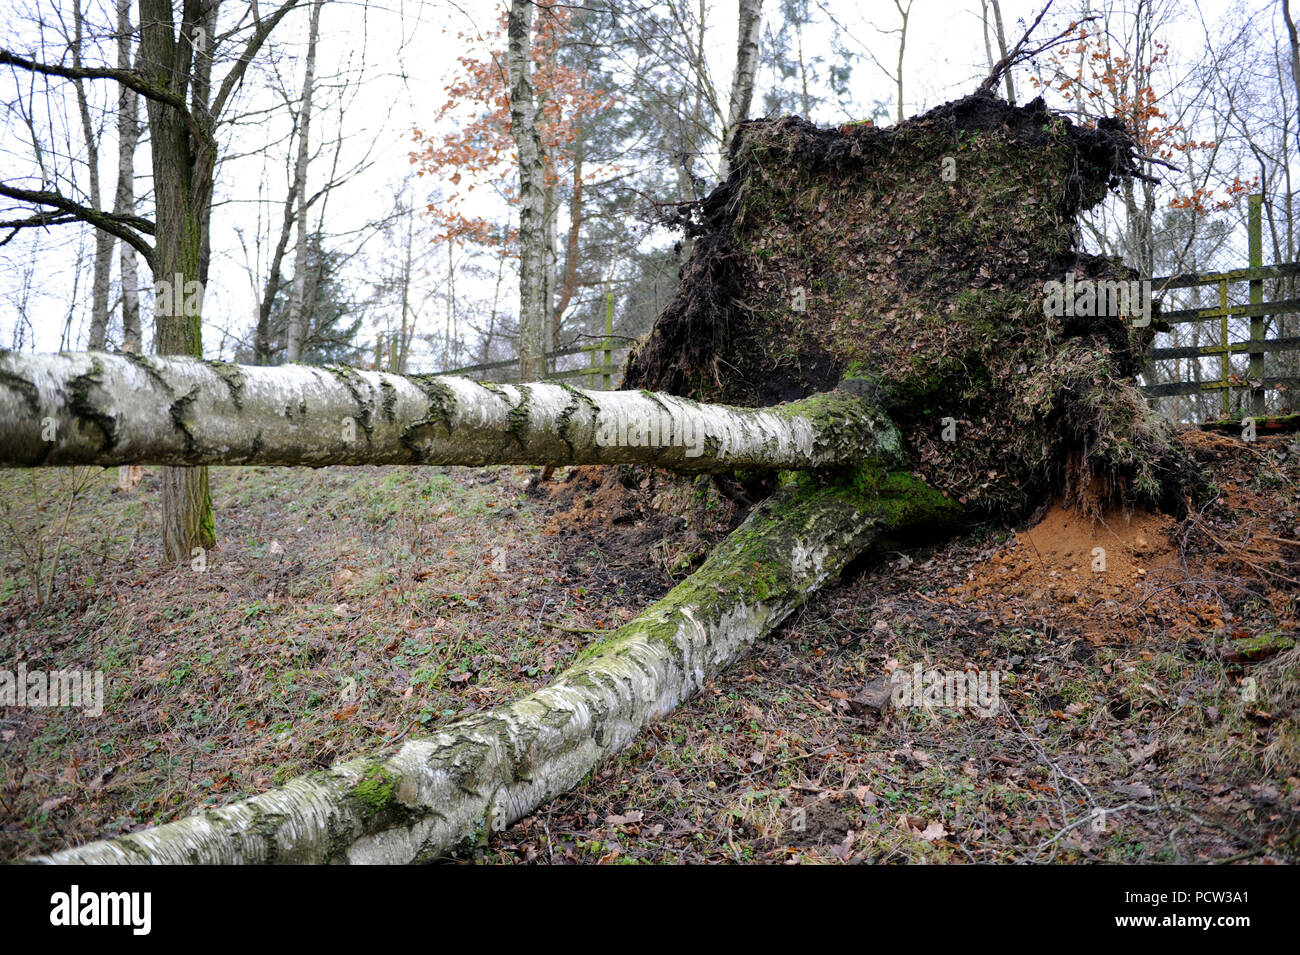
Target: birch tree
{"x": 534, "y": 309}
{"x": 128, "y": 136}
{"x": 297, "y": 301}
{"x": 749, "y": 22}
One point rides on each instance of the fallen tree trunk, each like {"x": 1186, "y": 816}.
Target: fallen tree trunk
{"x": 105, "y": 409}
{"x": 487, "y": 771}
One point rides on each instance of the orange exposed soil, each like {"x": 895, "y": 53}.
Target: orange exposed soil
{"x": 1110, "y": 579}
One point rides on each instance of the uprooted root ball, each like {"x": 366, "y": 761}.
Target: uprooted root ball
{"x": 913, "y": 259}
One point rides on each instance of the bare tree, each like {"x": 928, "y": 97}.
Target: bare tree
{"x": 297, "y": 301}
{"x": 103, "y": 240}
{"x": 1294, "y": 42}
{"x": 184, "y": 107}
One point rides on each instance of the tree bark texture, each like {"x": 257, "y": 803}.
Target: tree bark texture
{"x": 105, "y": 409}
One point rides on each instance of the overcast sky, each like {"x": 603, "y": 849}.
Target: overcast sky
{"x": 405, "y": 50}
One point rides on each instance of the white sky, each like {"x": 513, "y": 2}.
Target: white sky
{"x": 408, "y": 49}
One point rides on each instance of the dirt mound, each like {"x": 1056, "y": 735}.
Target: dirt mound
{"x": 592, "y": 493}
{"x": 1122, "y": 575}
{"x": 633, "y": 529}
{"x": 1088, "y": 569}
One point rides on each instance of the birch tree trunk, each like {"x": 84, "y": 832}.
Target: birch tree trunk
{"x": 534, "y": 320}
{"x": 905, "y": 12}
{"x": 298, "y": 298}
{"x": 103, "y": 263}
{"x": 486, "y": 771}
{"x": 742, "y": 81}
{"x": 1002, "y": 49}
{"x": 128, "y": 135}
{"x": 100, "y": 409}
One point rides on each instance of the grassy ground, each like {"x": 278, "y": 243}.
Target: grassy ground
{"x": 342, "y": 610}
{"x": 345, "y": 609}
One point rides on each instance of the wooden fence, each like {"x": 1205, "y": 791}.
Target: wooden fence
{"x": 603, "y": 370}
{"x": 1255, "y": 346}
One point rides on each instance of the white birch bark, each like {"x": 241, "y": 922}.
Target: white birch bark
{"x": 128, "y": 134}
{"x": 1002, "y": 48}
{"x": 742, "y": 82}
{"x": 106, "y": 409}
{"x": 298, "y": 295}
{"x": 534, "y": 319}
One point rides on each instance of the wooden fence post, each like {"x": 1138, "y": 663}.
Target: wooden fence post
{"x": 608, "y": 378}
{"x": 1225, "y": 357}
{"x": 1256, "y": 372}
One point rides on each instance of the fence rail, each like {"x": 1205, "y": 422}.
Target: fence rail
{"x": 1255, "y": 308}
{"x": 601, "y": 368}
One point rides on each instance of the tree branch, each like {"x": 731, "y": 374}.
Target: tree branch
{"x": 1019, "y": 52}
{"x": 36, "y": 221}
{"x": 128, "y": 78}
{"x": 236, "y": 74}
{"x": 127, "y": 228}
